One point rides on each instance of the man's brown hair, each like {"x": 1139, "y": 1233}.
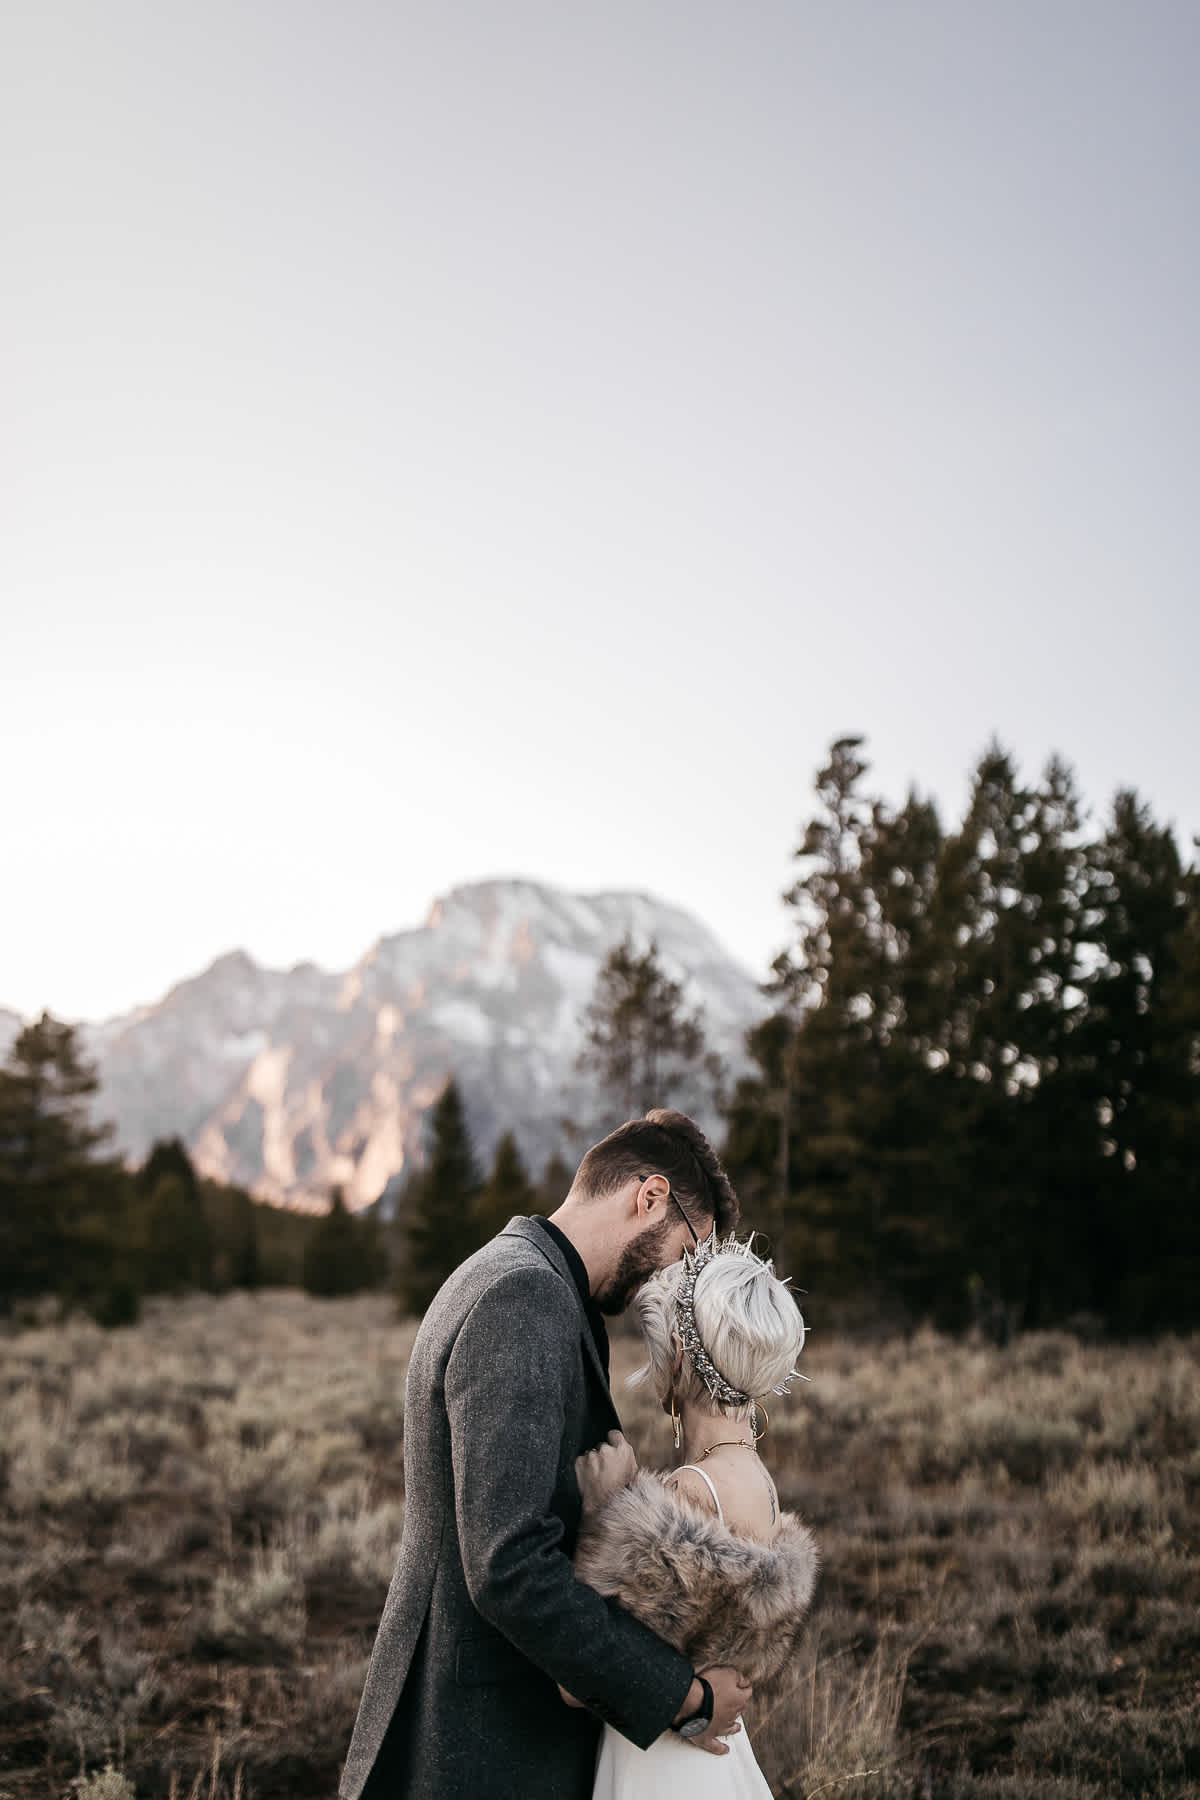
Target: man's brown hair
{"x": 664, "y": 1143}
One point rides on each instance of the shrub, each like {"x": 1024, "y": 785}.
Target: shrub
{"x": 107, "y": 1784}
{"x": 964, "y": 1785}
{"x": 227, "y": 1473}
{"x": 255, "y": 1618}
{"x": 1115, "y": 1499}
{"x": 1128, "y": 1750}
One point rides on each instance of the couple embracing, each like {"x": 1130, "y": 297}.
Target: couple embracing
{"x": 561, "y": 1625}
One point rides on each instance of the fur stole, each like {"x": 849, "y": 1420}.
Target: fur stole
{"x": 716, "y": 1597}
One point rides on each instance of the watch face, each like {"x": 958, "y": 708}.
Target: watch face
{"x": 694, "y": 1727}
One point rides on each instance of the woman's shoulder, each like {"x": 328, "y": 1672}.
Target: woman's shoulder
{"x": 689, "y": 1484}
{"x": 664, "y": 1508}
{"x": 742, "y": 1498}
{"x": 693, "y": 1580}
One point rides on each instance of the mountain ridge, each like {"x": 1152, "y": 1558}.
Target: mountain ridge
{"x": 292, "y": 1081}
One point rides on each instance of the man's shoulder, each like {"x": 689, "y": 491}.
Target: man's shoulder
{"x": 522, "y": 1245}
{"x": 524, "y": 1261}
{"x": 520, "y": 1263}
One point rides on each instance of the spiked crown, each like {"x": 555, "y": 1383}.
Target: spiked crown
{"x": 694, "y": 1263}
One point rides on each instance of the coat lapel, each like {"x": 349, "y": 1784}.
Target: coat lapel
{"x": 544, "y": 1243}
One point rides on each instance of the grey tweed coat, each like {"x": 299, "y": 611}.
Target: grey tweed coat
{"x": 484, "y": 1614}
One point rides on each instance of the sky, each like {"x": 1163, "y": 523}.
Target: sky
{"x": 441, "y": 442}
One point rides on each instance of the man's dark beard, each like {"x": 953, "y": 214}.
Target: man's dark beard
{"x": 638, "y": 1261}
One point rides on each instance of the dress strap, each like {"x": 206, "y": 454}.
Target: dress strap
{"x": 707, "y": 1479}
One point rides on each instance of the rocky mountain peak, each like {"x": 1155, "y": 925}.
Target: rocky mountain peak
{"x": 292, "y": 1082}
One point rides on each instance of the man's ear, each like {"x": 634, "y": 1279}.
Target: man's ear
{"x": 654, "y": 1190}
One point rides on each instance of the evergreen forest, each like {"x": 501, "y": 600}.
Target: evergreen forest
{"x": 974, "y": 1096}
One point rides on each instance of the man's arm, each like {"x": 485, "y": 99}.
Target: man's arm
{"x": 731, "y": 1695}
{"x": 507, "y": 1382}
{"x": 600, "y": 1473}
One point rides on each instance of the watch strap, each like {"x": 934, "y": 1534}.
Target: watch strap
{"x": 698, "y": 1722}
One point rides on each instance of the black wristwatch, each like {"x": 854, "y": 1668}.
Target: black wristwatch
{"x": 700, "y": 1721}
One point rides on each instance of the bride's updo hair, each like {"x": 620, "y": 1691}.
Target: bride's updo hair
{"x": 746, "y": 1320}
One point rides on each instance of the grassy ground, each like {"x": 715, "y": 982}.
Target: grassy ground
{"x": 199, "y": 1515}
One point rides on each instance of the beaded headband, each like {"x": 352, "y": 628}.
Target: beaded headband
{"x": 685, "y": 1319}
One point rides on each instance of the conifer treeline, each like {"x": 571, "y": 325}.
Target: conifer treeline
{"x": 980, "y": 1084}
{"x": 977, "y": 1092}
{"x": 77, "y": 1225}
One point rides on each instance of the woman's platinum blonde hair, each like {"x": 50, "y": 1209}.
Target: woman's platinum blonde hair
{"x": 739, "y": 1328}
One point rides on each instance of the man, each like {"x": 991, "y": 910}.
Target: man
{"x": 507, "y": 1385}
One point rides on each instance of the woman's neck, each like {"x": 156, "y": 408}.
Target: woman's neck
{"x": 704, "y": 1430}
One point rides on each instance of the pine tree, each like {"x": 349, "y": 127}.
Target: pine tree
{"x": 1141, "y": 1033}
{"x": 441, "y": 1224}
{"x": 341, "y": 1256}
{"x": 177, "y": 1244}
{"x": 168, "y": 1156}
{"x": 57, "y": 1195}
{"x": 177, "y": 1241}
{"x": 828, "y": 1056}
{"x": 639, "y": 1038}
{"x": 761, "y": 1116}
{"x": 1175, "y": 1166}
{"x": 245, "y": 1256}
{"x": 506, "y": 1193}
{"x": 554, "y": 1185}
{"x": 1021, "y": 886}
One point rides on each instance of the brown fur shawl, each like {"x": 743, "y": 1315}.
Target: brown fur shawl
{"x": 716, "y": 1597}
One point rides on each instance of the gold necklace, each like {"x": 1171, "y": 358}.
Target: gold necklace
{"x": 726, "y": 1444}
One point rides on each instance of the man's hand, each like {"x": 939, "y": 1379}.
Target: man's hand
{"x": 731, "y": 1692}
{"x": 602, "y": 1471}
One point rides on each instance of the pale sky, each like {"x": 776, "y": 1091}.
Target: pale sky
{"x": 450, "y": 441}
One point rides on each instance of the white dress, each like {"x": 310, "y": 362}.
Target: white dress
{"x": 673, "y": 1769}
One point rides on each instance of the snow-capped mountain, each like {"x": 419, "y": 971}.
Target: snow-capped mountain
{"x": 293, "y": 1082}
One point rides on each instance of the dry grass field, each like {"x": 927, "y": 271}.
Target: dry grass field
{"x": 199, "y": 1515}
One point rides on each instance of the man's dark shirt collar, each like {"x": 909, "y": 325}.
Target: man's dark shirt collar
{"x": 579, "y": 1275}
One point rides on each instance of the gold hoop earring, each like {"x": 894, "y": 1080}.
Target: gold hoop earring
{"x": 676, "y": 1424}
{"x": 754, "y": 1412}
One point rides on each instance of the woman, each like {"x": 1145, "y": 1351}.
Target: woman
{"x": 704, "y": 1556}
